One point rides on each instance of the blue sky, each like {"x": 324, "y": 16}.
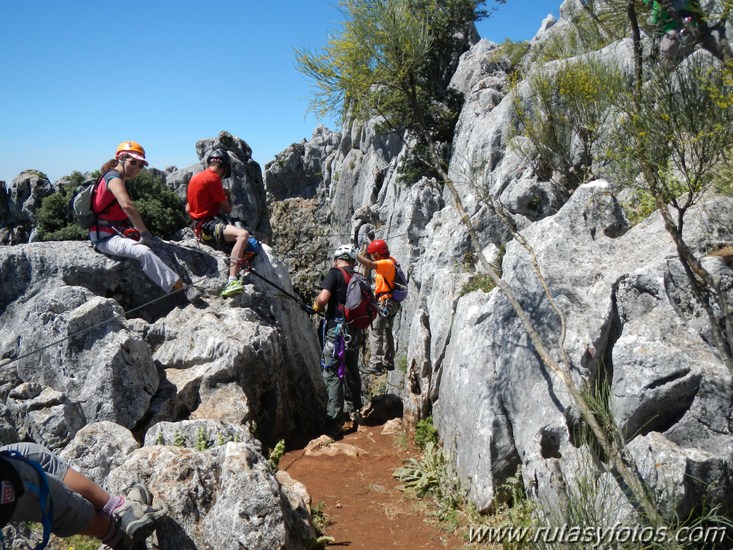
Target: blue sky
{"x": 80, "y": 76}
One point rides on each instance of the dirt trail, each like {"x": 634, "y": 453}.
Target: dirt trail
{"x": 360, "y": 498}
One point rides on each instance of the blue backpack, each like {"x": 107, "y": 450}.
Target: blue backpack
{"x": 399, "y": 288}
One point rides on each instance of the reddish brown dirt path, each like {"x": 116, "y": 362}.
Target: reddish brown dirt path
{"x": 360, "y": 498}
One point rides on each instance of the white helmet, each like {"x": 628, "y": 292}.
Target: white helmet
{"x": 345, "y": 252}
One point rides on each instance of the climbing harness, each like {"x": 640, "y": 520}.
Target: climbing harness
{"x": 341, "y": 345}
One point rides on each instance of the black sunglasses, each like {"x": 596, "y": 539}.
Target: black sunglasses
{"x": 135, "y": 162}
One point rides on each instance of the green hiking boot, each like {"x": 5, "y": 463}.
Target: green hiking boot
{"x": 232, "y": 289}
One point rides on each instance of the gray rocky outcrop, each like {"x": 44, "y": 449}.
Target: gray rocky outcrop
{"x": 206, "y": 378}
{"x": 631, "y": 318}
{"x": 299, "y": 170}
{"x": 18, "y": 204}
{"x": 80, "y": 376}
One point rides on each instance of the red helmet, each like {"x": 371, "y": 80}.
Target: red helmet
{"x": 378, "y": 246}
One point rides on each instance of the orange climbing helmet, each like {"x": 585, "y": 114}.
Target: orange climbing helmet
{"x": 132, "y": 149}
{"x": 378, "y": 245}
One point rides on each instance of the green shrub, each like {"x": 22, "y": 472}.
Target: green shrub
{"x": 202, "y": 442}
{"x": 53, "y": 217}
{"x": 479, "y": 281}
{"x": 276, "y": 455}
{"x": 179, "y": 440}
{"x": 425, "y": 432}
{"x": 159, "y": 207}
{"x": 568, "y": 106}
{"x": 640, "y": 206}
{"x": 513, "y": 51}
{"x": 422, "y": 475}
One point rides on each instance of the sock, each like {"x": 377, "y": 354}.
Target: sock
{"x": 232, "y": 278}
{"x": 113, "y": 503}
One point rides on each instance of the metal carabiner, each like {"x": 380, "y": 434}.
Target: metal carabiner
{"x": 347, "y": 338}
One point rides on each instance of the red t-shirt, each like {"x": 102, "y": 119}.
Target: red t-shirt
{"x": 205, "y": 192}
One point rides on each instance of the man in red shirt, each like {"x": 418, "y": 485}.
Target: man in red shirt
{"x": 207, "y": 204}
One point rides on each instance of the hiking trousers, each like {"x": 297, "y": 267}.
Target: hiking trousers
{"x": 381, "y": 340}
{"x": 344, "y": 394}
{"x": 153, "y": 267}
{"x": 71, "y": 511}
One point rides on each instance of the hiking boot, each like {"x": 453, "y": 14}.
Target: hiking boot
{"x": 140, "y": 494}
{"x": 137, "y": 520}
{"x": 351, "y": 425}
{"x": 193, "y": 294}
{"x": 232, "y": 289}
{"x": 333, "y": 429}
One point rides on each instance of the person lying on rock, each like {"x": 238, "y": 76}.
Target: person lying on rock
{"x": 37, "y": 485}
{"x": 119, "y": 229}
{"x": 208, "y": 203}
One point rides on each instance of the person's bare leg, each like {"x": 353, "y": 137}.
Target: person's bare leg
{"x": 86, "y": 488}
{"x": 240, "y": 238}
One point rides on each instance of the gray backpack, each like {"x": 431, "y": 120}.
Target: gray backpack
{"x": 81, "y": 203}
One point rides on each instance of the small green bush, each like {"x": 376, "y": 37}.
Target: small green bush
{"x": 179, "y": 440}
{"x": 276, "y": 455}
{"x": 53, "y": 217}
{"x": 202, "y": 442}
{"x": 425, "y": 433}
{"x": 565, "y": 119}
{"x": 160, "y": 208}
{"x": 478, "y": 281}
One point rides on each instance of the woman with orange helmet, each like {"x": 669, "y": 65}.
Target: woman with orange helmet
{"x": 119, "y": 230}
{"x": 381, "y": 339}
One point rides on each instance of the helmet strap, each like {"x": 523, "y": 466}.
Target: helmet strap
{"x": 123, "y": 158}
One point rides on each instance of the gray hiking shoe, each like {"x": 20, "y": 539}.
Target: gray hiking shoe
{"x": 140, "y": 493}
{"x": 138, "y": 520}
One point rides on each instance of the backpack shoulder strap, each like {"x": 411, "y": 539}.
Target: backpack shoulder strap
{"x": 94, "y": 193}
{"x": 347, "y": 276}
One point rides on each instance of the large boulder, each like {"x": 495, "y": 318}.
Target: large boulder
{"x": 630, "y": 319}
{"x": 245, "y": 183}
